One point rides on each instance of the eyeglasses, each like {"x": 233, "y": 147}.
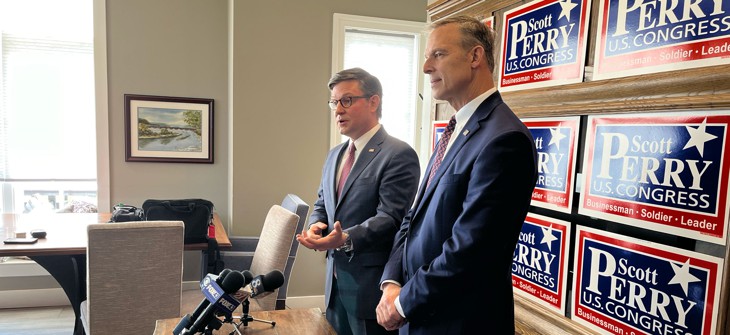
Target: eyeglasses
{"x": 346, "y": 101}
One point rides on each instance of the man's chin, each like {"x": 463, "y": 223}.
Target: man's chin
{"x": 436, "y": 93}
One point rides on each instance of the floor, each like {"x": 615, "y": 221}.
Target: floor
{"x": 60, "y": 320}
{"x": 37, "y": 321}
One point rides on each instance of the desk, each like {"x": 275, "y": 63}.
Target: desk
{"x": 63, "y": 252}
{"x": 288, "y": 321}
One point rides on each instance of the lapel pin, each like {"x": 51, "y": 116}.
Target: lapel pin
{"x": 371, "y": 150}
{"x": 466, "y": 132}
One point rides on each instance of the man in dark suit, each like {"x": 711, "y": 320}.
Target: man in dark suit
{"x": 361, "y": 202}
{"x": 454, "y": 248}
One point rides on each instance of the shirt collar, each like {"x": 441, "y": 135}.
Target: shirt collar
{"x": 465, "y": 113}
{"x": 363, "y": 140}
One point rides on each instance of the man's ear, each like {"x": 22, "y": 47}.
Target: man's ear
{"x": 476, "y": 55}
{"x": 374, "y": 102}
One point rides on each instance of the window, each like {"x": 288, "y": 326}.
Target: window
{"x": 48, "y": 108}
{"x": 392, "y": 51}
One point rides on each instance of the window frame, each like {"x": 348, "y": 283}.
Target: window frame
{"x": 103, "y": 191}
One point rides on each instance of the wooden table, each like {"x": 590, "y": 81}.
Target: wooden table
{"x": 63, "y": 252}
{"x": 67, "y": 233}
{"x": 288, "y": 321}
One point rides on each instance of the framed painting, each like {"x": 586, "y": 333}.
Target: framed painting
{"x": 168, "y": 129}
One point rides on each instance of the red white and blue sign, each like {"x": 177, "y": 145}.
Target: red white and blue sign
{"x": 544, "y": 44}
{"x": 540, "y": 261}
{"x": 666, "y": 172}
{"x": 639, "y": 37}
{"x": 556, "y": 141}
{"x": 623, "y": 285}
{"x": 437, "y": 129}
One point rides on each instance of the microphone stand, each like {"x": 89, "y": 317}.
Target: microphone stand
{"x": 246, "y": 318}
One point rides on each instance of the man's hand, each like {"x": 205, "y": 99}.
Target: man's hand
{"x": 313, "y": 239}
{"x": 387, "y": 314}
{"x": 314, "y": 233}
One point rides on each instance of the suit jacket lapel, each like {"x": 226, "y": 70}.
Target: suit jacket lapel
{"x": 468, "y": 131}
{"x": 333, "y": 164}
{"x": 369, "y": 152}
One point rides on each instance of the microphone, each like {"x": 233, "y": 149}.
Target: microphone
{"x": 263, "y": 285}
{"x": 248, "y": 276}
{"x": 188, "y": 319}
{"x": 220, "y": 298}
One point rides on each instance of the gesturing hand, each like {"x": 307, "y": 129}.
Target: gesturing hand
{"x": 313, "y": 239}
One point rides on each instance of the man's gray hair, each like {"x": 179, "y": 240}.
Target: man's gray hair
{"x": 473, "y": 33}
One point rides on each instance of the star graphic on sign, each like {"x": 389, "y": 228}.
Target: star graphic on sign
{"x": 555, "y": 137}
{"x": 682, "y": 275}
{"x": 547, "y": 237}
{"x": 698, "y": 136}
{"x": 567, "y": 7}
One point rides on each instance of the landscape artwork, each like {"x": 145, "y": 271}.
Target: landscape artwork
{"x": 164, "y": 129}
{"x": 168, "y": 129}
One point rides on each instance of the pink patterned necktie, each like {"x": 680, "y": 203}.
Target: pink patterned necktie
{"x": 441, "y": 148}
{"x": 346, "y": 168}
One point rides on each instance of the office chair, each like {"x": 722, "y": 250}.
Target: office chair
{"x": 134, "y": 276}
{"x": 274, "y": 249}
{"x": 297, "y": 206}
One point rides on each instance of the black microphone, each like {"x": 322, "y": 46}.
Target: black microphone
{"x": 188, "y": 319}
{"x": 231, "y": 283}
{"x": 263, "y": 285}
{"x": 248, "y": 276}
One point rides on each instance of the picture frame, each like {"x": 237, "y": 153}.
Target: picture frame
{"x": 168, "y": 129}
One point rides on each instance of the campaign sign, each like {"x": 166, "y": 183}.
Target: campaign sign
{"x": 664, "y": 172}
{"x": 489, "y": 21}
{"x": 437, "y": 128}
{"x": 540, "y": 261}
{"x": 544, "y": 44}
{"x": 623, "y": 285}
{"x": 556, "y": 141}
{"x": 642, "y": 36}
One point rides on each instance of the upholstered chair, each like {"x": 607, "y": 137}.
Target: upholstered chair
{"x": 134, "y": 276}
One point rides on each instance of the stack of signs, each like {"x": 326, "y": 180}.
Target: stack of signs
{"x": 540, "y": 261}
{"x": 544, "y": 44}
{"x": 556, "y": 141}
{"x": 665, "y": 172}
{"x": 639, "y": 37}
{"x": 623, "y": 285}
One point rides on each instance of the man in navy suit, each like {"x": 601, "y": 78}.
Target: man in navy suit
{"x": 454, "y": 248}
{"x": 357, "y": 223}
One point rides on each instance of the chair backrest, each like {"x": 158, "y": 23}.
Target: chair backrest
{"x": 272, "y": 250}
{"x": 134, "y": 276}
{"x": 297, "y": 206}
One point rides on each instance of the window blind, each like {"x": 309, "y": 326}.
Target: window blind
{"x": 47, "y": 110}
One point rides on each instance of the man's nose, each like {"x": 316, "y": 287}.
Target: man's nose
{"x": 427, "y": 67}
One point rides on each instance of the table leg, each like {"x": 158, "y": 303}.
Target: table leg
{"x": 70, "y": 272}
